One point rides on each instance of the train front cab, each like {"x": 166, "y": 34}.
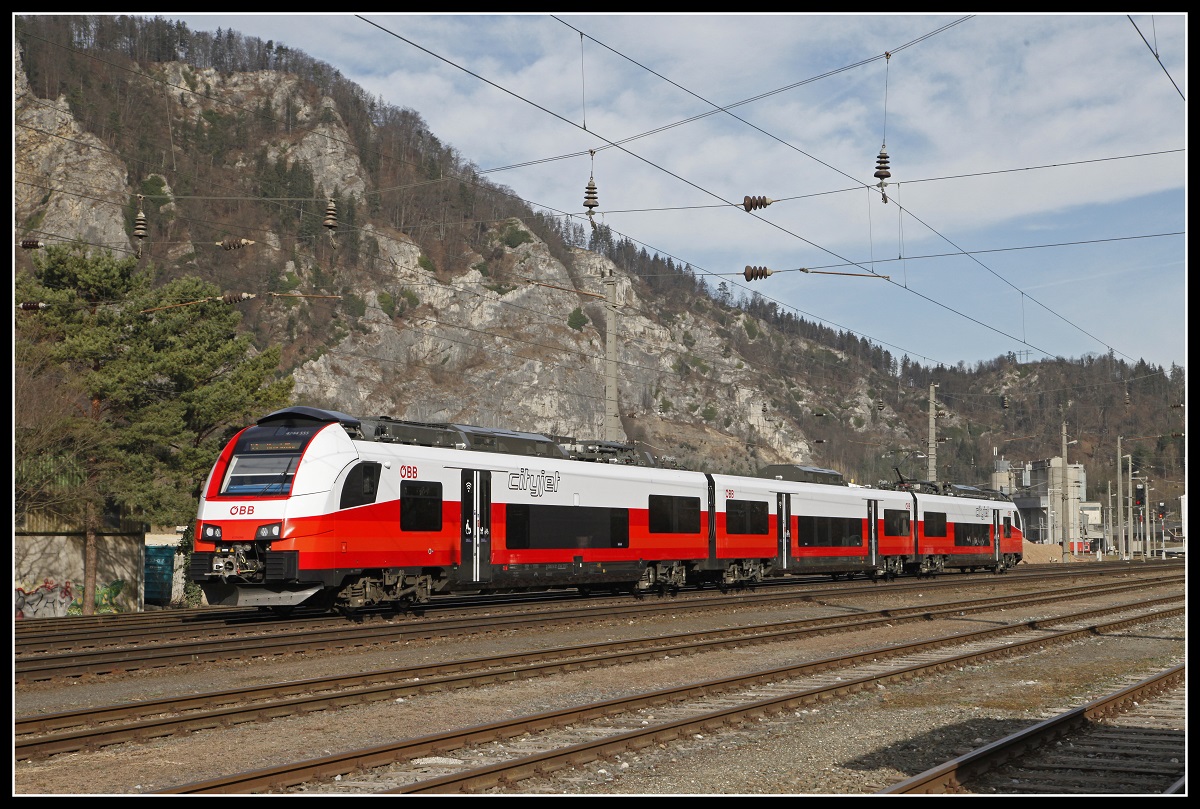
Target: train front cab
{"x": 261, "y": 508}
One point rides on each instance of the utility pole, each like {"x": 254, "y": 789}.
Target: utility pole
{"x": 1050, "y": 516}
{"x": 1120, "y": 504}
{"x": 1129, "y": 554}
{"x": 1064, "y": 511}
{"x": 612, "y": 418}
{"x": 932, "y": 451}
{"x": 1109, "y": 527}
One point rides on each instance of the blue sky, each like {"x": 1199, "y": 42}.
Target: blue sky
{"x": 1047, "y": 149}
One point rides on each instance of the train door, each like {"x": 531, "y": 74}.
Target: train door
{"x": 783, "y": 508}
{"x": 873, "y": 532}
{"x": 476, "y": 526}
{"x": 712, "y": 517}
{"x": 997, "y": 533}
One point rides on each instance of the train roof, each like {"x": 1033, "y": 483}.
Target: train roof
{"x": 601, "y": 451}
{"x": 301, "y": 412}
{"x": 802, "y": 474}
{"x": 458, "y": 436}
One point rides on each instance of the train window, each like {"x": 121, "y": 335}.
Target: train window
{"x": 746, "y": 517}
{"x": 829, "y": 532}
{"x": 260, "y": 474}
{"x": 935, "y": 523}
{"x": 674, "y": 515}
{"x": 361, "y": 485}
{"x": 1007, "y": 527}
{"x": 420, "y": 505}
{"x": 537, "y": 526}
{"x": 970, "y": 534}
{"x": 895, "y": 522}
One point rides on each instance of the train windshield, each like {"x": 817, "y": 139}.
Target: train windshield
{"x": 265, "y": 459}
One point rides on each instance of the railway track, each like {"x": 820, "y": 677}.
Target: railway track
{"x": 1129, "y": 742}
{"x": 499, "y": 755}
{"x": 49, "y": 734}
{"x": 50, "y": 636}
{"x": 273, "y": 639}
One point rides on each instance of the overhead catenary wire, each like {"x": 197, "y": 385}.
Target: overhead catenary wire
{"x": 193, "y": 197}
{"x": 949, "y": 308}
{"x": 927, "y": 298}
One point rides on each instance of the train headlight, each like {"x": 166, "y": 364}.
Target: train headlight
{"x": 272, "y": 530}
{"x": 212, "y": 533}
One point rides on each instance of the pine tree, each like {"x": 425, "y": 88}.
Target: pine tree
{"x": 154, "y": 378}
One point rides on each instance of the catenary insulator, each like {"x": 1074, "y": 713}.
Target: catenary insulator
{"x": 234, "y": 244}
{"x": 331, "y": 215}
{"x": 753, "y": 273}
{"x": 32, "y": 244}
{"x": 139, "y": 224}
{"x": 879, "y": 404}
{"x": 30, "y": 306}
{"x": 236, "y": 297}
{"x": 590, "y": 200}
{"x": 754, "y": 203}
{"x": 881, "y": 168}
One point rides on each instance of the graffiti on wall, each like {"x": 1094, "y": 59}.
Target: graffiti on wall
{"x": 106, "y": 599}
{"x": 50, "y": 599}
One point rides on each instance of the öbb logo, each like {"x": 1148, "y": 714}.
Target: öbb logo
{"x": 234, "y": 511}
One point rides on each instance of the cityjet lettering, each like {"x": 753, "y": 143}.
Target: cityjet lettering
{"x": 536, "y": 484}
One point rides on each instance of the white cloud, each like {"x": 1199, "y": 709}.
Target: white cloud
{"x": 996, "y": 93}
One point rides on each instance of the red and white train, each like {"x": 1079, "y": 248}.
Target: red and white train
{"x": 320, "y": 508}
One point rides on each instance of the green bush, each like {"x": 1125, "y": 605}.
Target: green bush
{"x": 577, "y": 320}
{"x": 426, "y": 263}
{"x": 515, "y": 237}
{"x": 356, "y": 307}
{"x": 387, "y": 303}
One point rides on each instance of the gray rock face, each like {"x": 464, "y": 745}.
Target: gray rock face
{"x": 462, "y": 349}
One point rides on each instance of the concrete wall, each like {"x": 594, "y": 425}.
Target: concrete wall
{"x": 48, "y": 573}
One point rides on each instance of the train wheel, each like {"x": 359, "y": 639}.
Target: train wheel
{"x": 284, "y": 612}
{"x": 346, "y": 611}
